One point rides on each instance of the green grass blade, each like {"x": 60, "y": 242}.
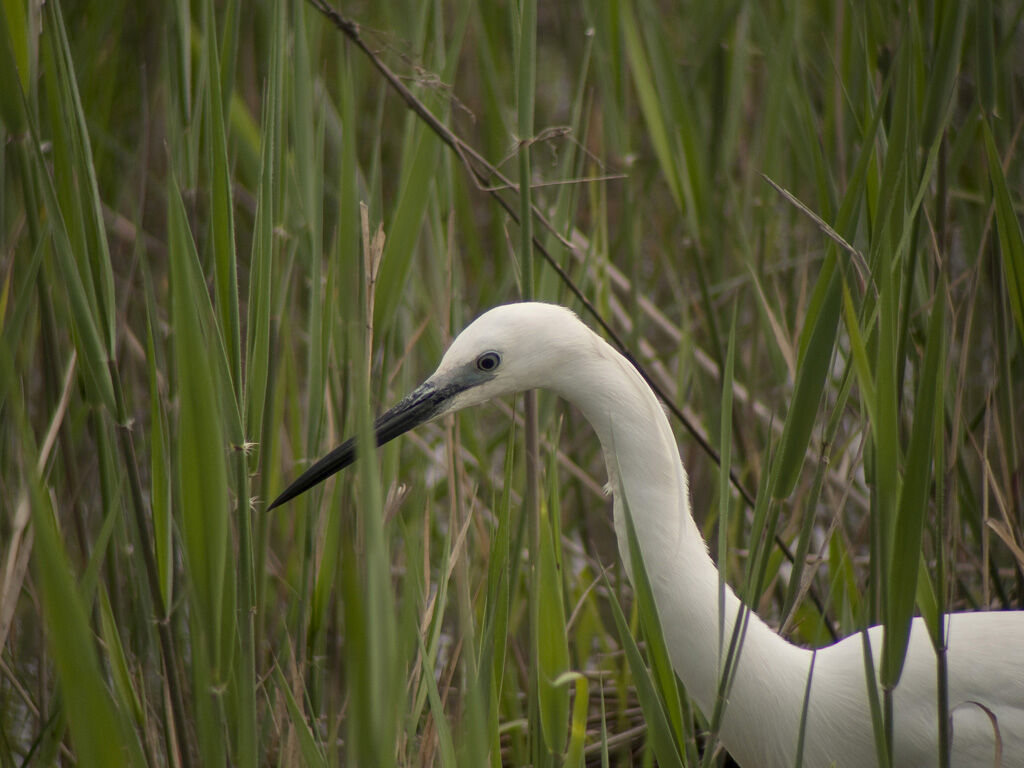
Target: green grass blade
{"x": 260, "y": 295}
{"x": 861, "y": 366}
{"x": 913, "y": 501}
{"x": 985, "y": 49}
{"x": 74, "y": 153}
{"x": 885, "y": 432}
{"x": 118, "y": 661}
{"x": 550, "y": 646}
{"x": 437, "y": 709}
{"x": 222, "y": 216}
{"x": 574, "y": 755}
{"x": 311, "y": 751}
{"x": 812, "y": 373}
{"x": 1011, "y": 241}
{"x": 419, "y": 168}
{"x": 952, "y": 23}
{"x": 92, "y": 353}
{"x": 400, "y": 247}
{"x": 92, "y": 718}
{"x": 369, "y": 598}
{"x": 201, "y": 457}
{"x": 651, "y": 105}
{"x": 882, "y": 751}
{"x": 96, "y": 726}
{"x": 160, "y": 456}
{"x": 724, "y": 486}
{"x": 526, "y": 83}
{"x": 13, "y": 65}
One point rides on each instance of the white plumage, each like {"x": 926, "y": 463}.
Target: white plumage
{"x": 541, "y": 346}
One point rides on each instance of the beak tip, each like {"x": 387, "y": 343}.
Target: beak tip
{"x": 288, "y": 494}
{"x": 425, "y": 402}
{"x": 277, "y": 502}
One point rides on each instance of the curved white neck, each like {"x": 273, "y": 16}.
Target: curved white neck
{"x": 642, "y": 456}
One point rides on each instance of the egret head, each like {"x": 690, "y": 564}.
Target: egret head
{"x": 511, "y": 348}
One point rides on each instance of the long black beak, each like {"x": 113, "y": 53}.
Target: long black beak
{"x": 424, "y": 403}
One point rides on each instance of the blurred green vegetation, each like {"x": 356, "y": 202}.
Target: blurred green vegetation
{"x": 806, "y": 211}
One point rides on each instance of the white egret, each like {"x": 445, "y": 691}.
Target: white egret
{"x": 541, "y": 346}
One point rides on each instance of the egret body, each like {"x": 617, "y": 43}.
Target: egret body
{"x": 541, "y": 346}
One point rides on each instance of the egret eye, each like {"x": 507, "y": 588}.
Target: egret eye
{"x": 488, "y": 361}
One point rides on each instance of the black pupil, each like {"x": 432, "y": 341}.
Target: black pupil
{"x": 487, "y": 362}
